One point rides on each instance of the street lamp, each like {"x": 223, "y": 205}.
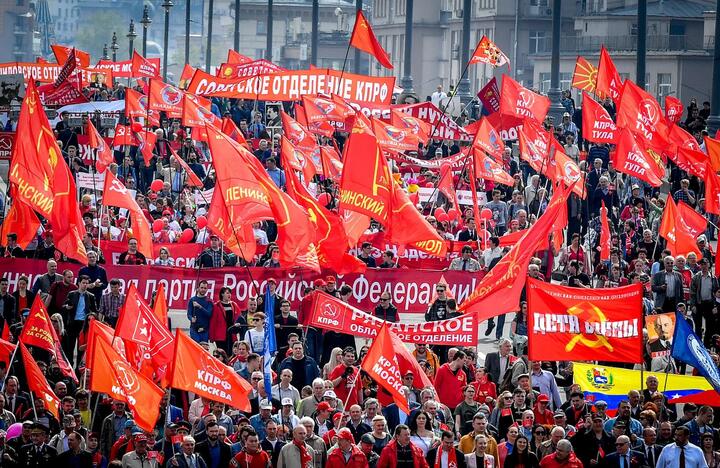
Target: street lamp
{"x": 146, "y": 20}
{"x": 167, "y": 4}
{"x": 131, "y": 37}
{"x": 105, "y": 52}
{"x": 208, "y": 53}
{"x": 114, "y": 47}
{"x": 187, "y": 32}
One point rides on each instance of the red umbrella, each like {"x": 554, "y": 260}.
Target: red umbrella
{"x": 708, "y": 397}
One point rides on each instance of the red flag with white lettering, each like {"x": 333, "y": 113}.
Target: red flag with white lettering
{"x": 597, "y": 126}
{"x": 520, "y": 102}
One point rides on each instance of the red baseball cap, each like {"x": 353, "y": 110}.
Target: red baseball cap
{"x": 345, "y": 434}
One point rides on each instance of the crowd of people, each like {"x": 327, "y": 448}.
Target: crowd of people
{"x": 502, "y": 410}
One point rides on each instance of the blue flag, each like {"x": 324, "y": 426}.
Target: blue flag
{"x": 269, "y": 347}
{"x": 688, "y": 348}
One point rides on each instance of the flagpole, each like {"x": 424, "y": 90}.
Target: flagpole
{"x": 32, "y": 400}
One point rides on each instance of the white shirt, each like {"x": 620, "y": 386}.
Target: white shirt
{"x": 437, "y": 96}
{"x": 670, "y": 457}
{"x": 260, "y": 236}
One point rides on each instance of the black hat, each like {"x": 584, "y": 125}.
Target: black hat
{"x": 41, "y": 427}
{"x": 367, "y": 439}
{"x": 184, "y": 425}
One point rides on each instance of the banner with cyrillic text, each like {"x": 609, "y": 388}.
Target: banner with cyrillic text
{"x": 566, "y": 323}
{"x": 330, "y": 313}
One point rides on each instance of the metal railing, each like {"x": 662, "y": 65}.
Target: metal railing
{"x": 579, "y": 44}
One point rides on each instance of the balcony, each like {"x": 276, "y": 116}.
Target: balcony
{"x": 592, "y": 44}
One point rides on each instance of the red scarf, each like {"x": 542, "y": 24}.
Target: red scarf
{"x": 305, "y": 457}
{"x": 452, "y": 459}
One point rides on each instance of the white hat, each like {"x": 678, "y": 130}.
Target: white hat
{"x": 329, "y": 394}
{"x": 287, "y": 401}
{"x": 264, "y": 404}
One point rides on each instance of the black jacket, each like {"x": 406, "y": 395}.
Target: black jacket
{"x": 390, "y": 314}
{"x": 203, "y": 449}
{"x": 72, "y": 300}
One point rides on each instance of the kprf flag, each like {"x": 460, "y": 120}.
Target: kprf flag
{"x": 635, "y": 159}
{"x": 486, "y": 168}
{"x": 363, "y": 38}
{"x": 687, "y": 347}
{"x": 114, "y": 375}
{"x": 197, "y": 371}
{"x": 566, "y": 322}
{"x": 673, "y": 109}
{"x": 584, "y": 75}
{"x": 382, "y": 365}
{"x": 487, "y": 52}
{"x": 597, "y": 125}
{"x": 608, "y": 84}
{"x": 37, "y": 383}
{"x": 489, "y": 140}
{"x": 518, "y": 101}
{"x": 712, "y": 190}
{"x": 166, "y": 98}
{"x": 39, "y": 332}
{"x": 142, "y": 67}
{"x": 640, "y": 112}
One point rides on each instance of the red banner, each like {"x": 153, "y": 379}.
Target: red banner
{"x": 411, "y": 290}
{"x": 444, "y": 126}
{"x": 48, "y": 72}
{"x": 7, "y": 140}
{"x": 489, "y": 95}
{"x": 241, "y": 70}
{"x": 331, "y": 313}
{"x": 123, "y": 69}
{"x": 579, "y": 324}
{"x": 85, "y": 151}
{"x": 292, "y": 85}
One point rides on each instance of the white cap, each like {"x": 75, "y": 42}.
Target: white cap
{"x": 287, "y": 401}
{"x": 329, "y": 394}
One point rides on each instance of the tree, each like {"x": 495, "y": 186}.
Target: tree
{"x": 97, "y": 30}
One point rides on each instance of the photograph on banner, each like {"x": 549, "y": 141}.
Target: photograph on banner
{"x": 660, "y": 330}
{"x": 588, "y": 324}
{"x": 272, "y": 114}
{"x": 12, "y": 91}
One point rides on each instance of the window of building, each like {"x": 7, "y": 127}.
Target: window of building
{"x": 537, "y": 41}
{"x": 380, "y": 8}
{"x": 664, "y": 86}
{"x": 400, "y": 7}
{"x": 261, "y": 27}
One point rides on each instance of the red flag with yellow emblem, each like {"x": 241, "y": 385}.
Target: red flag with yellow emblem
{"x": 364, "y": 39}
{"x": 569, "y": 323}
{"x": 584, "y": 75}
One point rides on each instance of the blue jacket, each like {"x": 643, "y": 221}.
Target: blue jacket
{"x": 202, "y": 313}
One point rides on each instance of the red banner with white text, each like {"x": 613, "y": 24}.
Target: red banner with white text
{"x": 330, "y": 313}
{"x": 411, "y": 290}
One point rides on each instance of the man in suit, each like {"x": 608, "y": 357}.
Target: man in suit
{"x": 702, "y": 298}
{"x": 469, "y": 233}
{"x": 75, "y": 455}
{"x": 593, "y": 176}
{"x": 7, "y": 305}
{"x": 496, "y": 363}
{"x": 624, "y": 456}
{"x": 664, "y": 328}
{"x": 79, "y": 304}
{"x": 187, "y": 458}
{"x": 16, "y": 402}
{"x": 648, "y": 446}
{"x": 394, "y": 416}
{"x": 667, "y": 286}
{"x": 205, "y": 448}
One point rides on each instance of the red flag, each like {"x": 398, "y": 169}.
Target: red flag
{"x": 295, "y": 233}
{"x": 238, "y": 238}
{"x": 713, "y": 149}
{"x": 114, "y": 375}
{"x": 486, "y": 168}
{"x": 487, "y": 52}
{"x": 236, "y": 57}
{"x": 143, "y": 68}
{"x": 673, "y": 109}
{"x": 364, "y": 39}
{"x": 20, "y": 220}
{"x": 124, "y": 135}
{"x": 70, "y": 64}
{"x": 37, "y": 383}
{"x": 597, "y": 126}
{"x": 609, "y": 82}
{"x": 520, "y": 102}
{"x": 67, "y": 223}
{"x": 230, "y": 129}
{"x": 196, "y": 112}
{"x": 712, "y": 191}
{"x": 330, "y": 162}
{"x": 566, "y": 323}
{"x": 407, "y": 226}
{"x": 192, "y": 179}
{"x": 382, "y": 365}
{"x": 393, "y": 139}
{"x": 488, "y": 139}
{"x": 319, "y": 113}
{"x": 605, "y": 236}
{"x": 160, "y": 307}
{"x": 116, "y": 194}
{"x": 99, "y": 330}
{"x": 166, "y": 98}
{"x": 146, "y": 144}
{"x": 104, "y": 152}
{"x": 62, "y": 53}
{"x": 329, "y": 232}
{"x": 197, "y": 371}
{"x": 534, "y": 145}
{"x": 37, "y": 331}
{"x": 298, "y": 135}
{"x": 136, "y": 106}
{"x": 680, "y": 226}
{"x": 446, "y": 185}
{"x": 7, "y": 350}
{"x": 567, "y": 171}
{"x": 639, "y": 112}
{"x": 137, "y": 323}
{"x": 499, "y": 291}
{"x": 297, "y": 160}
{"x": 584, "y": 75}
{"x": 693, "y": 162}
{"x": 418, "y": 127}
{"x": 632, "y": 159}
{"x": 366, "y": 184}
{"x": 186, "y": 75}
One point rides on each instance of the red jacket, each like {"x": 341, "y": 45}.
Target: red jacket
{"x": 449, "y": 386}
{"x": 388, "y": 456}
{"x": 336, "y": 459}
{"x": 218, "y": 327}
{"x": 549, "y": 461}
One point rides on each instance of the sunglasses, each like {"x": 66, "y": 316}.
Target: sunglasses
{"x": 255, "y": 379}
{"x": 384, "y": 300}
{"x": 439, "y": 290}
